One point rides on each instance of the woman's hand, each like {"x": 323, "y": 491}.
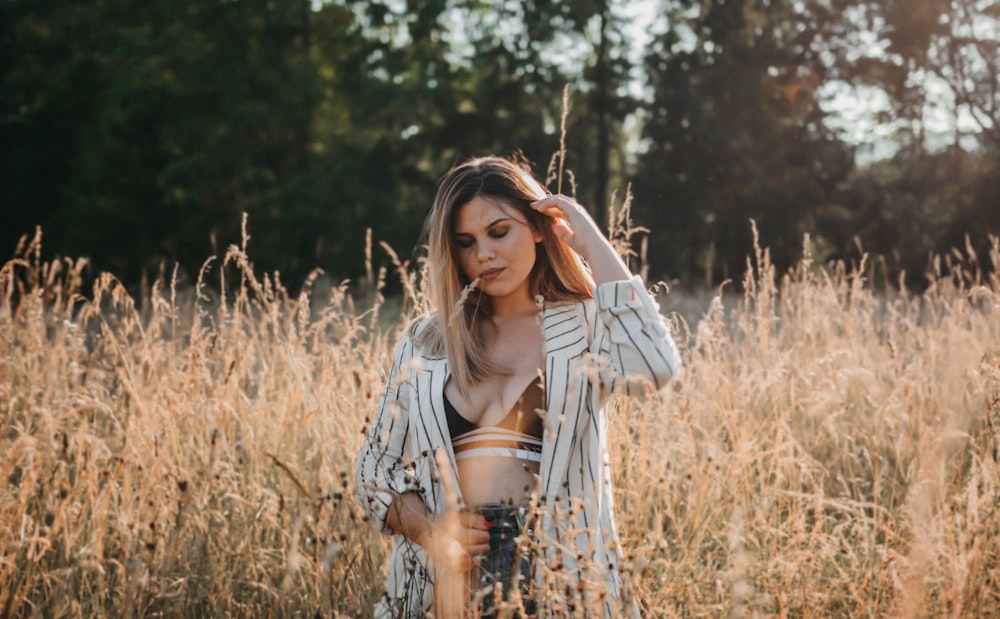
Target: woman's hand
{"x": 453, "y": 539}
{"x": 456, "y": 539}
{"x": 574, "y": 225}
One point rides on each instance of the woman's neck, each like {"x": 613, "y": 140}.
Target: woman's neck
{"x": 513, "y": 306}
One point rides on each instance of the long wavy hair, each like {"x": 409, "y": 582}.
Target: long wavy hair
{"x": 460, "y": 309}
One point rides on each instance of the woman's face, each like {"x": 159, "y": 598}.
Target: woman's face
{"x": 496, "y": 243}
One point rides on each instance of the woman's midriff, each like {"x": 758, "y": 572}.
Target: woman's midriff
{"x": 491, "y": 479}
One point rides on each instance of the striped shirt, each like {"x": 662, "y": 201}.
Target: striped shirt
{"x": 614, "y": 343}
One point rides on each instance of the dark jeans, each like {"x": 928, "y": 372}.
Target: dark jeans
{"x": 505, "y": 560}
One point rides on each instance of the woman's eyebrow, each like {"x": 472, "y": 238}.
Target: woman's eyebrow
{"x": 499, "y": 220}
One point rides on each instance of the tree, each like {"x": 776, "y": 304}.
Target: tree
{"x": 49, "y": 87}
{"x": 931, "y": 59}
{"x": 418, "y": 91}
{"x": 183, "y": 114}
{"x": 597, "y": 139}
{"x": 734, "y": 134}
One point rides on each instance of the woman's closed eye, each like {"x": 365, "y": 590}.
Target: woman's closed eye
{"x": 465, "y": 242}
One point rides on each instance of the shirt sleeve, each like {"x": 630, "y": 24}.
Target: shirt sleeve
{"x": 635, "y": 346}
{"x": 381, "y": 471}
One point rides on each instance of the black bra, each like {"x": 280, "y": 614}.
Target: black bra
{"x": 518, "y": 435}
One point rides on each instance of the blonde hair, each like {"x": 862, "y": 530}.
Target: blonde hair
{"x": 460, "y": 309}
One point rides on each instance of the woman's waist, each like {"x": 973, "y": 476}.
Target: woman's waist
{"x": 497, "y": 480}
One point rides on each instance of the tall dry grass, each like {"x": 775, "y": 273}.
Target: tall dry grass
{"x": 830, "y": 450}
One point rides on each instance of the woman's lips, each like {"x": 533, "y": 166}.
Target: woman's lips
{"x": 490, "y": 274}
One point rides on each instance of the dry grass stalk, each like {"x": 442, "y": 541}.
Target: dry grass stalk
{"x": 557, "y": 164}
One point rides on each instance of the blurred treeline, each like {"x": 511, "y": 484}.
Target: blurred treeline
{"x": 137, "y": 133}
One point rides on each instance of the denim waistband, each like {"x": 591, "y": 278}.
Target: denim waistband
{"x": 502, "y": 515}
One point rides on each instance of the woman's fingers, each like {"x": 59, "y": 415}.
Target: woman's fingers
{"x": 472, "y": 520}
{"x": 572, "y": 223}
{"x": 459, "y": 538}
{"x": 477, "y": 542}
{"x": 475, "y": 534}
{"x": 559, "y": 222}
{"x": 563, "y": 231}
{"x": 556, "y": 205}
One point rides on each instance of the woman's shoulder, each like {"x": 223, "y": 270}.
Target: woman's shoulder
{"x": 424, "y": 332}
{"x": 419, "y": 325}
{"x": 583, "y": 310}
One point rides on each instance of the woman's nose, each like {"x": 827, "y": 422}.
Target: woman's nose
{"x": 484, "y": 251}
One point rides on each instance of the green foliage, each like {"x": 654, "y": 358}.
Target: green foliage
{"x": 736, "y": 131}
{"x": 734, "y": 134}
{"x": 182, "y": 116}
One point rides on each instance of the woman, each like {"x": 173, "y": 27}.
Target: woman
{"x": 487, "y": 457}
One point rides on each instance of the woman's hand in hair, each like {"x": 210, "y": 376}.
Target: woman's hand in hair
{"x": 571, "y": 221}
{"x": 574, "y": 225}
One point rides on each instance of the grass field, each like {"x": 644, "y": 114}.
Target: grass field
{"x": 830, "y": 450}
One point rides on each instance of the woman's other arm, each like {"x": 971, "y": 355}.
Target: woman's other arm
{"x": 628, "y": 333}
{"x": 388, "y": 488}
{"x": 633, "y": 343}
{"x": 574, "y": 225}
